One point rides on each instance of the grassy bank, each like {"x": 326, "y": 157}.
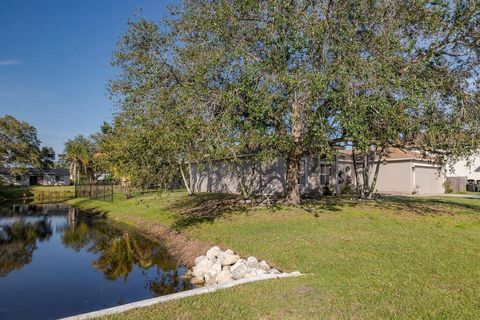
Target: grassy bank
{"x": 396, "y": 258}
{"x": 37, "y": 193}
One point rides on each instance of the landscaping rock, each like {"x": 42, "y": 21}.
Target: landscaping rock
{"x": 224, "y": 276}
{"x": 229, "y": 260}
{"x": 264, "y": 266}
{"x": 238, "y": 263}
{"x": 218, "y": 266}
{"x": 252, "y": 262}
{"x": 239, "y": 272}
{"x": 260, "y": 271}
{"x": 197, "y": 280}
{"x": 202, "y": 267}
{"x": 251, "y": 273}
{"x": 213, "y": 253}
{"x": 210, "y": 278}
{"x": 197, "y": 260}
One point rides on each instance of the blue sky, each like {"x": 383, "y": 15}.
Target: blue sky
{"x": 55, "y": 61}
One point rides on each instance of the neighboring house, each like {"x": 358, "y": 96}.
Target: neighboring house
{"x": 53, "y": 177}
{"x": 464, "y": 169}
{"x": 400, "y": 173}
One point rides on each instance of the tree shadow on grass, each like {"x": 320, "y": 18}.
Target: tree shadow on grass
{"x": 328, "y": 203}
{"x": 205, "y": 208}
{"x": 421, "y": 206}
{"x": 427, "y": 206}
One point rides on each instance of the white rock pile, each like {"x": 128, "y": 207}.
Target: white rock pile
{"x": 218, "y": 266}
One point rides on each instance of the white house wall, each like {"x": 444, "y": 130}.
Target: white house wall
{"x": 428, "y": 179}
{"x": 395, "y": 177}
{"x": 269, "y": 178}
{"x": 51, "y": 180}
{"x": 399, "y": 177}
{"x": 12, "y": 180}
{"x": 462, "y": 169}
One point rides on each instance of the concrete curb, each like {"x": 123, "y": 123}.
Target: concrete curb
{"x": 178, "y": 295}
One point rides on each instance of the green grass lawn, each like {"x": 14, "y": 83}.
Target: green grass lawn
{"x": 397, "y": 258}
{"x": 37, "y": 193}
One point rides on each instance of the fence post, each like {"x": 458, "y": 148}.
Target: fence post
{"x": 111, "y": 185}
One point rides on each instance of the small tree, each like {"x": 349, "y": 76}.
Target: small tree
{"x": 20, "y": 147}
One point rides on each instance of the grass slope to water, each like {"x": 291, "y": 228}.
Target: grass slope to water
{"x": 396, "y": 258}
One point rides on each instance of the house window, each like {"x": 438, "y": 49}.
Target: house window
{"x": 18, "y": 178}
{"x": 57, "y": 178}
{"x": 347, "y": 170}
{"x": 324, "y": 174}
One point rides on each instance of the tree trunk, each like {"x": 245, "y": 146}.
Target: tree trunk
{"x": 293, "y": 160}
{"x": 291, "y": 181}
{"x": 377, "y": 170}
{"x": 185, "y": 181}
{"x": 375, "y": 178}
{"x": 355, "y": 170}
{"x": 75, "y": 172}
{"x": 366, "y": 175}
{"x": 72, "y": 171}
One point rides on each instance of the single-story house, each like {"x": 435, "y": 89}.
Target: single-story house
{"x": 402, "y": 172}
{"x": 52, "y": 177}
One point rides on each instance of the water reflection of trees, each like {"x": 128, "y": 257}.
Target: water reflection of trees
{"x": 120, "y": 251}
{"x": 18, "y": 240}
{"x": 167, "y": 282}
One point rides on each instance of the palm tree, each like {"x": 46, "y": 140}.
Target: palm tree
{"x": 85, "y": 159}
{"x": 73, "y": 154}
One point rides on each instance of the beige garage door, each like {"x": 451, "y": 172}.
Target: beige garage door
{"x": 427, "y": 180}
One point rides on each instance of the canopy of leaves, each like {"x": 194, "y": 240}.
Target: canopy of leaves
{"x": 20, "y": 146}
{"x": 289, "y": 78}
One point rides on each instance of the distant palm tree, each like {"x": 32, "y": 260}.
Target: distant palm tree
{"x": 73, "y": 154}
{"x": 85, "y": 159}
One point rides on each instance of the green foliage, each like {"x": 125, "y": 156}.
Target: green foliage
{"x": 347, "y": 189}
{"x": 448, "y": 186}
{"x": 81, "y": 153}
{"x": 327, "y": 191}
{"x": 20, "y": 147}
{"x": 216, "y": 80}
{"x": 18, "y": 242}
{"x": 47, "y": 158}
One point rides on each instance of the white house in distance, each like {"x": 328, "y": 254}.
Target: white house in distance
{"x": 52, "y": 177}
{"x": 462, "y": 169}
{"x": 402, "y": 172}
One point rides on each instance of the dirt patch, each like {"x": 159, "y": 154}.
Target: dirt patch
{"x": 178, "y": 244}
{"x": 304, "y": 290}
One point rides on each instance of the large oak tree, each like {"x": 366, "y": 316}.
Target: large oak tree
{"x": 301, "y": 77}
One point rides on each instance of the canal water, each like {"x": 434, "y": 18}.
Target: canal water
{"x": 56, "y": 261}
